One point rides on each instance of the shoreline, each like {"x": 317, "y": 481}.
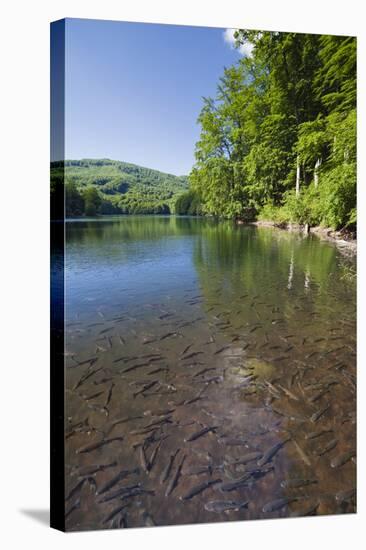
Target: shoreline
{"x": 344, "y": 240}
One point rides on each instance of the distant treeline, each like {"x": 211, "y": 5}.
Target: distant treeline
{"x": 102, "y": 186}
{"x": 89, "y": 202}
{"x": 279, "y": 138}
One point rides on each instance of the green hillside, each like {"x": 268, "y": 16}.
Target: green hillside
{"x": 103, "y": 186}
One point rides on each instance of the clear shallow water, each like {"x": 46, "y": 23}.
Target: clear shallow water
{"x": 178, "y": 325}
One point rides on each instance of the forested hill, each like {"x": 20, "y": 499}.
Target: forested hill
{"x": 278, "y": 140}
{"x": 103, "y": 186}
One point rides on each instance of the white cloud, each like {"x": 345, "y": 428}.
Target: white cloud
{"x": 245, "y": 49}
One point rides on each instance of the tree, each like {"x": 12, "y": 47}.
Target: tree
{"x": 74, "y": 201}
{"x": 281, "y": 131}
{"x": 188, "y": 204}
{"x": 92, "y": 201}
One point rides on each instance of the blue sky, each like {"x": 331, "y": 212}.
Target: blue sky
{"x": 134, "y": 90}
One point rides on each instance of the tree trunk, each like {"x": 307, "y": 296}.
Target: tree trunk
{"x": 297, "y": 176}
{"x": 316, "y": 172}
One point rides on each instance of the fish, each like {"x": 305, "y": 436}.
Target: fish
{"x": 154, "y": 454}
{"x": 309, "y": 510}
{"x": 213, "y": 379}
{"x": 219, "y": 506}
{"x": 106, "y": 330}
{"x": 194, "y": 399}
{"x": 148, "y": 520}
{"x": 255, "y": 455}
{"x": 203, "y": 371}
{"x": 328, "y": 447}
{"x": 165, "y": 420}
{"x": 200, "y": 433}
{"x": 160, "y": 412}
{"x": 164, "y": 316}
{"x": 272, "y": 389}
{"x": 75, "y": 489}
{"x": 191, "y": 355}
{"x": 301, "y": 453}
{"x": 100, "y": 348}
{"x": 144, "y": 431}
{"x": 174, "y": 480}
{"x": 236, "y": 484}
{"x": 123, "y": 421}
{"x": 317, "y": 395}
{"x": 114, "y": 513}
{"x": 143, "y": 459}
{"x": 93, "y": 469}
{"x": 313, "y": 435}
{"x": 343, "y": 496}
{"x": 159, "y": 369}
{"x": 98, "y": 444}
{"x": 93, "y": 396}
{"x": 120, "y": 492}
{"x": 294, "y": 483}
{"x": 109, "y": 396}
{"x": 277, "y": 504}
{"x": 280, "y": 358}
{"x": 137, "y": 492}
{"x": 289, "y": 393}
{"x": 153, "y": 438}
{"x": 123, "y": 358}
{"x": 270, "y": 453}
{"x": 74, "y": 507}
{"x": 205, "y": 470}
{"x": 147, "y": 341}
{"x": 145, "y": 388}
{"x": 152, "y": 356}
{"x": 116, "y": 479}
{"x": 85, "y": 377}
{"x": 315, "y": 417}
{"x": 166, "y": 471}
{"x": 137, "y": 366}
{"x": 220, "y": 350}
{"x": 342, "y": 459}
{"x": 168, "y": 335}
{"x": 200, "y": 488}
{"x": 91, "y": 360}
{"x": 99, "y": 408}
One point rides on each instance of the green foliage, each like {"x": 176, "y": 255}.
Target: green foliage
{"x": 335, "y": 81}
{"x": 104, "y": 186}
{"x": 312, "y": 141}
{"x": 272, "y": 213}
{"x": 188, "y": 204}
{"x": 74, "y": 201}
{"x": 332, "y": 204}
{"x": 92, "y": 201}
{"x": 338, "y": 196}
{"x": 284, "y": 116}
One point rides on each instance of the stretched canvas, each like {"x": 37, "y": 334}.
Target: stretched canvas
{"x": 203, "y": 297}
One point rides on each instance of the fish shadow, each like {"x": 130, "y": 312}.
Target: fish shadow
{"x": 40, "y": 515}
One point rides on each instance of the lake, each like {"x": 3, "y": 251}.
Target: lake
{"x": 210, "y": 373}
